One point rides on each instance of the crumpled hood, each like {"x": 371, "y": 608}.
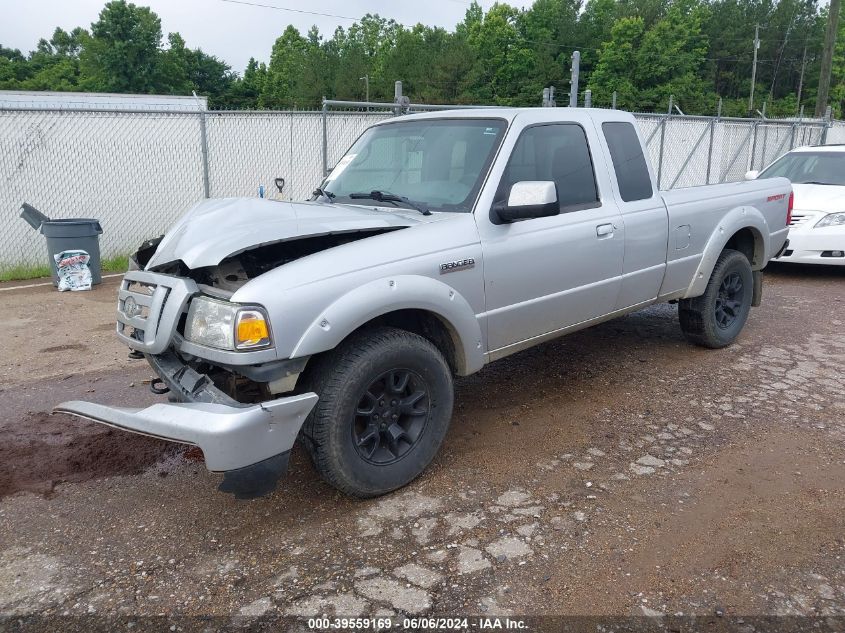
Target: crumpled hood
{"x": 213, "y": 230}
{"x": 826, "y": 198}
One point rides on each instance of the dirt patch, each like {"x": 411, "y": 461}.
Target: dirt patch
{"x": 76, "y": 330}
{"x": 45, "y": 450}
{"x": 769, "y": 503}
{"x": 64, "y": 348}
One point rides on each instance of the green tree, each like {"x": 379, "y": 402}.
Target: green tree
{"x": 13, "y": 68}
{"x": 314, "y": 74}
{"x": 351, "y": 63}
{"x": 614, "y": 71}
{"x": 502, "y": 58}
{"x": 837, "y": 80}
{"x": 594, "y": 26}
{"x": 171, "y": 72}
{"x": 286, "y": 62}
{"x": 54, "y": 65}
{"x": 670, "y": 59}
{"x": 643, "y": 49}
{"x": 124, "y": 51}
{"x": 549, "y": 32}
{"x": 244, "y": 92}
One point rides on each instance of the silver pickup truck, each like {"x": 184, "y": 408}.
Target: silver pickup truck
{"x": 439, "y": 243}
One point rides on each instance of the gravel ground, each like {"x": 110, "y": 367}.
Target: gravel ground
{"x": 615, "y": 472}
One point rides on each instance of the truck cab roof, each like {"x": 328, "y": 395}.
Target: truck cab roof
{"x": 523, "y": 115}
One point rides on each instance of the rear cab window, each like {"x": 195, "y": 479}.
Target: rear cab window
{"x": 629, "y": 162}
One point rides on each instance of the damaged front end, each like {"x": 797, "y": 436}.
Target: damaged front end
{"x": 227, "y": 410}
{"x": 230, "y": 393}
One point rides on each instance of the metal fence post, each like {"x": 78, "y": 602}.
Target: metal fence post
{"x": 765, "y": 146}
{"x": 828, "y": 123}
{"x": 398, "y": 99}
{"x": 663, "y": 143}
{"x": 660, "y": 154}
{"x": 753, "y": 144}
{"x": 613, "y": 101}
{"x": 588, "y": 98}
{"x": 204, "y": 149}
{"x": 290, "y": 155}
{"x": 713, "y": 123}
{"x": 710, "y": 151}
{"x": 325, "y": 139}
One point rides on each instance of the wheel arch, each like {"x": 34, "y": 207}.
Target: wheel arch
{"x": 743, "y": 229}
{"x": 421, "y": 305}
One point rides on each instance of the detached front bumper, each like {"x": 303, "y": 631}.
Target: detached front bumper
{"x": 249, "y": 443}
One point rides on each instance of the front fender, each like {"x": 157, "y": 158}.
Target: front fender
{"x": 402, "y": 292}
{"x": 734, "y": 220}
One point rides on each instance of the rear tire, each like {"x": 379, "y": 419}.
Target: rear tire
{"x": 385, "y": 405}
{"x": 717, "y": 317}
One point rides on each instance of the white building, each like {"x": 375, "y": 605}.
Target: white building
{"x": 31, "y": 99}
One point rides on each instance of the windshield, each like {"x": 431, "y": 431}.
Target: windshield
{"x": 826, "y": 168}
{"x": 437, "y": 163}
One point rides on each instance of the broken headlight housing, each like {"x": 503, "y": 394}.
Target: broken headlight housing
{"x": 224, "y": 325}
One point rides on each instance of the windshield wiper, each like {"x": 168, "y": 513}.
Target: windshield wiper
{"x": 815, "y": 182}
{"x": 386, "y": 196}
{"x": 328, "y": 195}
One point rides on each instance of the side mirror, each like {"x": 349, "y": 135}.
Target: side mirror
{"x": 752, "y": 175}
{"x": 528, "y": 199}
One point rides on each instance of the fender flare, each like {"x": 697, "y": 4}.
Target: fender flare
{"x": 735, "y": 220}
{"x": 401, "y": 292}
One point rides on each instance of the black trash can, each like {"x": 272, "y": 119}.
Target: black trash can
{"x": 66, "y": 235}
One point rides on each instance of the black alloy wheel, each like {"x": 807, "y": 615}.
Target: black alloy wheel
{"x": 729, "y": 300}
{"x": 391, "y": 416}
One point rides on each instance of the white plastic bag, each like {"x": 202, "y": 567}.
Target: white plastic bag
{"x": 73, "y": 271}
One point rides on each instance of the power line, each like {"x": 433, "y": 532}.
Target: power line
{"x": 278, "y": 8}
{"x": 306, "y": 12}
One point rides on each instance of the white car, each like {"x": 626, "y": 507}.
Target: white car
{"x": 817, "y": 226}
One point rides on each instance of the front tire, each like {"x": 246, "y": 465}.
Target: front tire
{"x": 717, "y": 317}
{"x": 385, "y": 405}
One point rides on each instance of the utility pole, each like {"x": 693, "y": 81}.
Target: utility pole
{"x": 827, "y": 58}
{"x": 801, "y": 81}
{"x": 573, "y": 82}
{"x": 754, "y": 68}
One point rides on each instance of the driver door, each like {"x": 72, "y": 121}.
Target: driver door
{"x": 543, "y": 275}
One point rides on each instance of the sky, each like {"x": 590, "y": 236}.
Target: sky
{"x": 232, "y": 32}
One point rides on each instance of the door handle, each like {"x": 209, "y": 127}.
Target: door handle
{"x": 604, "y": 230}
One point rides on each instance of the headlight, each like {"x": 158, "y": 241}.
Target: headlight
{"x": 226, "y": 325}
{"x": 833, "y": 219}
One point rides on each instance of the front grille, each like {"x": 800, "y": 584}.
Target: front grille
{"x": 800, "y": 218}
{"x": 149, "y": 306}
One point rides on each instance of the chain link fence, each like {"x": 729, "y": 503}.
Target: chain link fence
{"x": 138, "y": 171}
{"x": 836, "y": 133}
{"x": 688, "y": 151}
